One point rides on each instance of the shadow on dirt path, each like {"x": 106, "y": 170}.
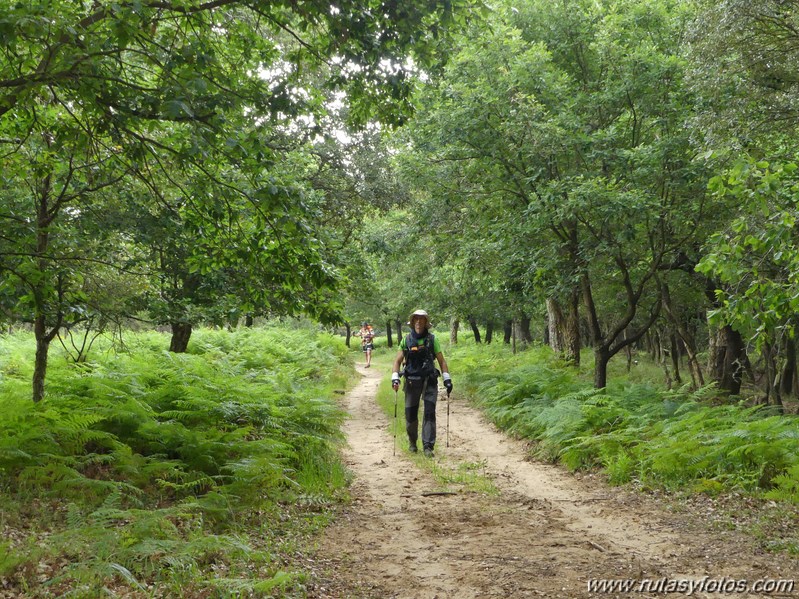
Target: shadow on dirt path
{"x": 546, "y": 534}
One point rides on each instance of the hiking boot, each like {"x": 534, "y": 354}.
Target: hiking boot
{"x": 413, "y": 448}
{"x": 428, "y": 452}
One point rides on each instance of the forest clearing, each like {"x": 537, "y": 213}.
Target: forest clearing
{"x": 592, "y": 206}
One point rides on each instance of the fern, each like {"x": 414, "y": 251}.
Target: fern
{"x": 672, "y": 438}
{"x": 154, "y": 454}
{"x": 191, "y": 484}
{"x": 786, "y": 486}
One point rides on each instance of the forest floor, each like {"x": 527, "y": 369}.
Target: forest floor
{"x": 546, "y": 533}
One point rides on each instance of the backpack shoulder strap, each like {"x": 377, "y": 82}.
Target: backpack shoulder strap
{"x": 407, "y": 345}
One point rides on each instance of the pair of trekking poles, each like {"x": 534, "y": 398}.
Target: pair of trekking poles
{"x": 396, "y": 395}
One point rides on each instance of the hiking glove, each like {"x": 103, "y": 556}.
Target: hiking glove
{"x": 447, "y": 382}
{"x": 395, "y": 380}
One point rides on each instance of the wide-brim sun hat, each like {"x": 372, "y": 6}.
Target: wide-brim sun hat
{"x": 420, "y": 314}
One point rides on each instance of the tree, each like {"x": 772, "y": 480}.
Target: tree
{"x": 745, "y": 68}
{"x": 756, "y": 257}
{"x": 102, "y": 93}
{"x": 50, "y": 175}
{"x": 565, "y": 131}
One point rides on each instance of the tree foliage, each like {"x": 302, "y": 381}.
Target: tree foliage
{"x": 564, "y": 154}
{"x": 556, "y": 140}
{"x": 201, "y": 115}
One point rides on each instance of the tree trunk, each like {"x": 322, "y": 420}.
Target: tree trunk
{"x": 687, "y": 338}
{"x": 489, "y": 331}
{"x": 727, "y": 357}
{"x": 675, "y": 358}
{"x": 513, "y": 328}
{"x": 608, "y": 344}
{"x": 398, "y": 328}
{"x": 667, "y": 381}
{"x": 507, "y": 331}
{"x": 475, "y": 330}
{"x": 348, "y": 337}
{"x": 564, "y": 331}
{"x": 730, "y": 360}
{"x": 40, "y": 363}
{"x": 715, "y": 354}
{"x": 571, "y": 334}
{"x": 524, "y": 329}
{"x": 248, "y": 320}
{"x": 389, "y": 340}
{"x": 555, "y": 326}
{"x": 773, "y": 385}
{"x": 789, "y": 370}
{"x": 44, "y": 217}
{"x": 181, "y": 332}
{"x": 585, "y": 334}
{"x": 628, "y": 350}
{"x": 601, "y": 359}
{"x": 654, "y": 350}
{"x": 454, "y": 325}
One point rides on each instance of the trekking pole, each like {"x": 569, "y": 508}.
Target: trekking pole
{"x": 448, "y": 392}
{"x": 394, "y": 450}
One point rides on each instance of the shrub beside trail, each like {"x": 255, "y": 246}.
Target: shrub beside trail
{"x": 634, "y": 431}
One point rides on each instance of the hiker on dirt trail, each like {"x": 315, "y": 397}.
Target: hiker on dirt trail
{"x": 367, "y": 335}
{"x": 418, "y": 350}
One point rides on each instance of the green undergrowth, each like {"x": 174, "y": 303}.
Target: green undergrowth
{"x": 634, "y": 431}
{"x": 152, "y": 474}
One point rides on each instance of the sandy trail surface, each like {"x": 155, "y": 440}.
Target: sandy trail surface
{"x": 547, "y": 533}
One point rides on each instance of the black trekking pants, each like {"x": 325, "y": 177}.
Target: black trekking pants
{"x": 413, "y": 397}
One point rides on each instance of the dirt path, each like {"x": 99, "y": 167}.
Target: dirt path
{"x": 546, "y": 534}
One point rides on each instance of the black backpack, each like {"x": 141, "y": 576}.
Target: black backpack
{"x": 419, "y": 359}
